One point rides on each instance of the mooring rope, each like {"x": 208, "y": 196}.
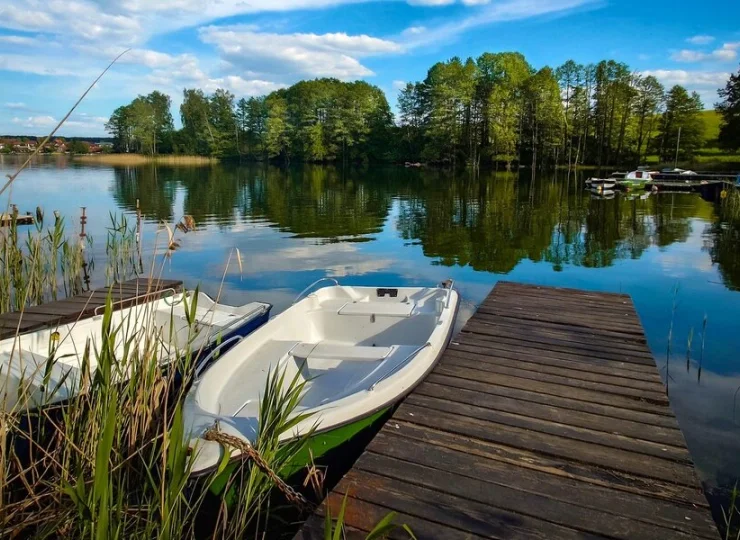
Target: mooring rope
{"x": 249, "y": 452}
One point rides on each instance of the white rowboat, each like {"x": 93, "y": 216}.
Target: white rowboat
{"x": 359, "y": 350}
{"x": 46, "y": 366}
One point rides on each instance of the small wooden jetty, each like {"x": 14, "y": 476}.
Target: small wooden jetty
{"x": 545, "y": 418}
{"x": 123, "y": 294}
{"x": 6, "y": 220}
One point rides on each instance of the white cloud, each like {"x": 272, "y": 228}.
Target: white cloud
{"x": 726, "y": 53}
{"x": 431, "y": 2}
{"x": 689, "y": 78}
{"x": 503, "y": 11}
{"x": 19, "y": 40}
{"x": 35, "y": 121}
{"x": 399, "y": 85}
{"x": 700, "y": 39}
{"x": 296, "y": 55}
{"x": 15, "y": 105}
{"x": 81, "y": 122}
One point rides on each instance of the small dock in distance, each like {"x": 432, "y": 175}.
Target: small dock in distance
{"x": 545, "y": 418}
{"x": 83, "y": 305}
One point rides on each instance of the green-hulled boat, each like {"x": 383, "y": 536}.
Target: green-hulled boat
{"x": 357, "y": 351}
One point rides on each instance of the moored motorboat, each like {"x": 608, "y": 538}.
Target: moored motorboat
{"x": 47, "y": 366}
{"x": 603, "y": 194}
{"x": 601, "y": 183}
{"x": 357, "y": 350}
{"x": 636, "y": 179}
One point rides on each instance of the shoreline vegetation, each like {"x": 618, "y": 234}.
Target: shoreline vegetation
{"x": 112, "y": 462}
{"x": 492, "y": 111}
{"x": 132, "y": 160}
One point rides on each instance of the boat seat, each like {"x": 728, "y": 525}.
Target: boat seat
{"x": 386, "y": 309}
{"x": 330, "y": 351}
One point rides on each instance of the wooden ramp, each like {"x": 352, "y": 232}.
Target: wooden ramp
{"x": 546, "y": 418}
{"x": 84, "y": 305}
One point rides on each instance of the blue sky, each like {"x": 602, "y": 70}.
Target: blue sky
{"x": 50, "y": 50}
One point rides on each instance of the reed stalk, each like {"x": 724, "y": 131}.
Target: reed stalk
{"x": 113, "y": 461}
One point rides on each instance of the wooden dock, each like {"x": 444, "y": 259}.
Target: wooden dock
{"x": 546, "y": 418}
{"x": 84, "y": 305}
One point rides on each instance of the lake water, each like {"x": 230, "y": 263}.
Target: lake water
{"x": 418, "y": 227}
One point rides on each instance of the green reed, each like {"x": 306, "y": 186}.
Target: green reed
{"x": 113, "y": 462}
{"x": 31, "y": 265}
{"x": 121, "y": 249}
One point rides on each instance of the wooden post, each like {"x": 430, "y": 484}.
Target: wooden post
{"x": 83, "y": 222}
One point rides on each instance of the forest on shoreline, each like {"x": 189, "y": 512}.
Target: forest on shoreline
{"x": 478, "y": 112}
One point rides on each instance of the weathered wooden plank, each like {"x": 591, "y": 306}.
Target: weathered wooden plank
{"x": 595, "y": 333}
{"x": 448, "y": 510}
{"x": 558, "y": 318}
{"x": 617, "y": 426}
{"x": 552, "y": 445}
{"x": 545, "y": 418}
{"x": 607, "y": 392}
{"x": 600, "y": 315}
{"x": 83, "y": 305}
{"x": 484, "y": 335}
{"x": 508, "y": 346}
{"x": 603, "y": 351}
{"x": 566, "y": 335}
{"x": 597, "y": 435}
{"x": 540, "y": 291}
{"x": 554, "y": 465}
{"x": 568, "y": 371}
{"x": 538, "y": 361}
{"x": 650, "y": 420}
{"x": 590, "y": 508}
{"x": 364, "y": 515}
{"x": 574, "y": 304}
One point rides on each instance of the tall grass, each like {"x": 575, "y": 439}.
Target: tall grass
{"x": 113, "y": 462}
{"x": 131, "y": 160}
{"x": 38, "y": 266}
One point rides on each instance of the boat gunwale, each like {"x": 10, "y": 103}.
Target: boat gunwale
{"x": 386, "y": 405}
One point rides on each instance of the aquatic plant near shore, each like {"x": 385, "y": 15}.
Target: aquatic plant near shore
{"x": 30, "y": 268}
{"x": 113, "y": 461}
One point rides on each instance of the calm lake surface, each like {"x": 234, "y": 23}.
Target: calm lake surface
{"x": 418, "y": 227}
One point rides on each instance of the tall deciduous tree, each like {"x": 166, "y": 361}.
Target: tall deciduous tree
{"x": 649, "y": 100}
{"x": 120, "y": 127}
{"x": 682, "y": 116}
{"x": 729, "y": 108}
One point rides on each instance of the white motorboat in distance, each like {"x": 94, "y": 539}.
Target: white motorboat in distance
{"x": 25, "y": 359}
{"x": 601, "y": 183}
{"x": 358, "y": 350}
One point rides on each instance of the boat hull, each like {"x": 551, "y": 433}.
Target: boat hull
{"x": 377, "y": 380}
{"x": 316, "y": 448}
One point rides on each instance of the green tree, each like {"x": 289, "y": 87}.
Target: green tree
{"x": 277, "y": 140}
{"x": 256, "y": 125}
{"x": 543, "y": 120}
{"x": 78, "y": 147}
{"x": 196, "y": 135}
{"x": 163, "y": 125}
{"x": 649, "y": 100}
{"x": 144, "y": 125}
{"x": 729, "y": 108}
{"x": 120, "y": 127}
{"x": 222, "y": 123}
{"x": 682, "y": 116}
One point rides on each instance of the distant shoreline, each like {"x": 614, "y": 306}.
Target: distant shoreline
{"x": 141, "y": 159}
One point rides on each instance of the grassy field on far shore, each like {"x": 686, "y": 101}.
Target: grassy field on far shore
{"x": 141, "y": 159}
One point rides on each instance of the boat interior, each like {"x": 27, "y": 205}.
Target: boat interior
{"x": 341, "y": 341}
{"x": 160, "y": 326}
